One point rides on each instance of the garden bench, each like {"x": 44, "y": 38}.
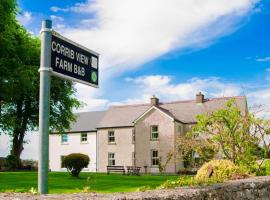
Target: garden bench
{"x": 116, "y": 169}
{"x": 134, "y": 170}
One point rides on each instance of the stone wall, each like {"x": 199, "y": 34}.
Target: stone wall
{"x": 257, "y": 188}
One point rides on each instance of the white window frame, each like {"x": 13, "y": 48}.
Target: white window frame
{"x": 154, "y": 159}
{"x": 109, "y": 137}
{"x": 84, "y": 138}
{"x": 154, "y": 133}
{"x": 66, "y": 140}
{"x": 111, "y": 159}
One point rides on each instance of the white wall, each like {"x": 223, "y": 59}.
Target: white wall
{"x": 74, "y": 145}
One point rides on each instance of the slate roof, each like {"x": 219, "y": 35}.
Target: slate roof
{"x": 183, "y": 111}
{"x": 124, "y": 116}
{"x": 86, "y": 121}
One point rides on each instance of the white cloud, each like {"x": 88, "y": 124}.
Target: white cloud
{"x": 58, "y": 18}
{"x": 56, "y": 9}
{"x": 128, "y": 33}
{"x": 260, "y": 102}
{"x": 90, "y": 97}
{"x": 25, "y": 18}
{"x": 163, "y": 87}
{"x": 264, "y": 59}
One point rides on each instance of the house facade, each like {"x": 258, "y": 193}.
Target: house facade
{"x": 141, "y": 135}
{"x": 81, "y": 138}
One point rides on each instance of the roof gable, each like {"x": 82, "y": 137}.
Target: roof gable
{"x": 161, "y": 110}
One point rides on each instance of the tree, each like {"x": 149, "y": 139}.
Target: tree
{"x": 75, "y": 162}
{"x": 189, "y": 144}
{"x": 19, "y": 89}
{"x": 7, "y": 43}
{"x": 231, "y": 131}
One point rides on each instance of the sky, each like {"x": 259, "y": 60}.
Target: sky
{"x": 171, "y": 49}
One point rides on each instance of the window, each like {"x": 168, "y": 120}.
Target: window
{"x": 84, "y": 138}
{"x": 133, "y": 159}
{"x": 111, "y": 159}
{"x": 154, "y": 158}
{"x": 61, "y": 160}
{"x": 180, "y": 129}
{"x": 154, "y": 132}
{"x": 64, "y": 138}
{"x": 133, "y": 136}
{"x": 111, "y": 138}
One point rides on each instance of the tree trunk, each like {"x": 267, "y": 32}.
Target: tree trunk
{"x": 19, "y": 132}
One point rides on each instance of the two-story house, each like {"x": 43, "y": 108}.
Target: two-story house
{"x": 142, "y": 134}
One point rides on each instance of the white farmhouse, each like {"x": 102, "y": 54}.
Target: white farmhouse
{"x": 81, "y": 138}
{"x": 134, "y": 135}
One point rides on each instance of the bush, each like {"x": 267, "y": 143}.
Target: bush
{"x": 266, "y": 166}
{"x": 219, "y": 170}
{"x": 261, "y": 169}
{"x": 185, "y": 181}
{"x": 13, "y": 162}
{"x": 75, "y": 162}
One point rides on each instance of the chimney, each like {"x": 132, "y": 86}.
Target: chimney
{"x": 154, "y": 101}
{"x": 199, "y": 98}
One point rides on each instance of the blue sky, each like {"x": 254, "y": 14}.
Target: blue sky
{"x": 172, "y": 49}
{"x": 234, "y": 57}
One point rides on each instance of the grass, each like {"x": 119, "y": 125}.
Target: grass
{"x": 60, "y": 182}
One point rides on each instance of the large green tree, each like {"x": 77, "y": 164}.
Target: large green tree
{"x": 232, "y": 131}
{"x": 19, "y": 85}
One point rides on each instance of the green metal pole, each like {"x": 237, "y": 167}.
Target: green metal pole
{"x": 44, "y": 106}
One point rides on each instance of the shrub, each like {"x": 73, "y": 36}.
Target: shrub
{"x": 13, "y": 162}
{"x": 185, "y": 181}
{"x": 261, "y": 169}
{"x": 219, "y": 170}
{"x": 75, "y": 162}
{"x": 266, "y": 166}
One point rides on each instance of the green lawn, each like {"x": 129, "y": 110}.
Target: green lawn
{"x": 60, "y": 182}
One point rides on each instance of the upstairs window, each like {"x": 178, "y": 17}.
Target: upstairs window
{"x": 84, "y": 138}
{"x": 64, "y": 138}
{"x": 111, "y": 137}
{"x": 154, "y": 133}
{"x": 154, "y": 158}
{"x": 111, "y": 159}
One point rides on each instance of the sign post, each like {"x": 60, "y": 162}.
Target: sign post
{"x": 66, "y": 59}
{"x": 44, "y": 106}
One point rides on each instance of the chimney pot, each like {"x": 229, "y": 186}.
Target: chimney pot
{"x": 154, "y": 101}
{"x": 199, "y": 98}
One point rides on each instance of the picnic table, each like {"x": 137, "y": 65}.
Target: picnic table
{"x": 133, "y": 170}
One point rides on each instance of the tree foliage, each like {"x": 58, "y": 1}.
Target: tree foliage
{"x": 75, "y": 162}
{"x": 227, "y": 133}
{"x": 190, "y": 144}
{"x": 19, "y": 83}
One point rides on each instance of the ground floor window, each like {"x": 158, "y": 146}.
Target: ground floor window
{"x": 111, "y": 159}
{"x": 154, "y": 158}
